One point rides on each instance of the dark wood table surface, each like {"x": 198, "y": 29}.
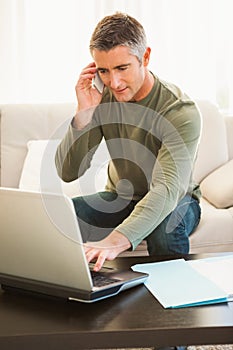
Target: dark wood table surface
{"x": 134, "y": 318}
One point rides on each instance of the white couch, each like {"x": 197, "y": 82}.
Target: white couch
{"x": 25, "y": 129}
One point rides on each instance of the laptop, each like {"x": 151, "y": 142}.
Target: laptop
{"x": 42, "y": 253}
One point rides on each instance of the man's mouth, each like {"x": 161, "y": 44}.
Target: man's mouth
{"x": 120, "y": 91}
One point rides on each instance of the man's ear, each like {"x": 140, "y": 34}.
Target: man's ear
{"x": 146, "y": 56}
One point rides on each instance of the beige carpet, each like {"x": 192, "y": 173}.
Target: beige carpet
{"x": 197, "y": 347}
{"x": 211, "y": 347}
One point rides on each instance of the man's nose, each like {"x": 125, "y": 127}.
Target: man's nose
{"x": 114, "y": 81}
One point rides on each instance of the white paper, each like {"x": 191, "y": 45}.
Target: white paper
{"x": 217, "y": 269}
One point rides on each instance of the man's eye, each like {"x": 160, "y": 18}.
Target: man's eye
{"x": 122, "y": 68}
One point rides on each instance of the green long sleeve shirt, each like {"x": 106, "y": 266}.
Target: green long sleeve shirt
{"x": 152, "y": 144}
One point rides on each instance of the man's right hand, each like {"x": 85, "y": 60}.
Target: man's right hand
{"x": 88, "y": 97}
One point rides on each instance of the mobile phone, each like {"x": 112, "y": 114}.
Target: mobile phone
{"x": 97, "y": 83}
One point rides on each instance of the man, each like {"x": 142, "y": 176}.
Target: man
{"x": 152, "y": 131}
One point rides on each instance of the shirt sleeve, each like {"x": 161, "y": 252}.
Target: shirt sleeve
{"x": 74, "y": 153}
{"x": 172, "y": 173}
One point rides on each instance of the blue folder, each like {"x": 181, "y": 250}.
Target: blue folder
{"x": 176, "y": 284}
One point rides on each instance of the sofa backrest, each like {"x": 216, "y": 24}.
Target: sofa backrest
{"x": 213, "y": 147}
{"x": 229, "y": 129}
{"x": 21, "y": 123}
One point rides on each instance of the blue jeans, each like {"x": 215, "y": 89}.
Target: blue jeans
{"x": 100, "y": 213}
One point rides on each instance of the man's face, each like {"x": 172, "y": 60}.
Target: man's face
{"x": 121, "y": 72}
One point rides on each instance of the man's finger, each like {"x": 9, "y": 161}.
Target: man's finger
{"x": 100, "y": 261}
{"x": 91, "y": 254}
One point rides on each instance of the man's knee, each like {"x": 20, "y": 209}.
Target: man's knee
{"x": 82, "y": 210}
{"x": 172, "y": 235}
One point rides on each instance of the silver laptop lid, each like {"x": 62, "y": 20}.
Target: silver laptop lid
{"x": 41, "y": 240}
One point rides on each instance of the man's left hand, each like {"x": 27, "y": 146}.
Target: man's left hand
{"x": 106, "y": 249}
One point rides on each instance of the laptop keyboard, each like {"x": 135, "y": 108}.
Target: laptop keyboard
{"x": 100, "y": 280}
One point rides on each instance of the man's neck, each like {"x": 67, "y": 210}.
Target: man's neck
{"x": 146, "y": 87}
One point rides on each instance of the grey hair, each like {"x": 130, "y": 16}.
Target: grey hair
{"x": 119, "y": 29}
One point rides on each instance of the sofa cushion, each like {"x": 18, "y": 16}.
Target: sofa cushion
{"x": 217, "y": 187}
{"x": 213, "y": 150}
{"x": 39, "y": 171}
{"x": 215, "y": 231}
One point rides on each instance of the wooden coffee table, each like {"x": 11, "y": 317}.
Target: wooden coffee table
{"x": 132, "y": 319}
